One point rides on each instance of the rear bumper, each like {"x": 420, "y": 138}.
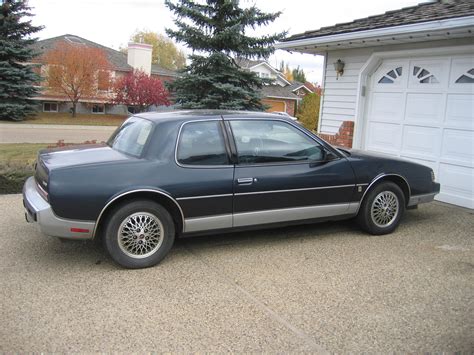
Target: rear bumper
{"x": 424, "y": 198}
{"x": 38, "y": 210}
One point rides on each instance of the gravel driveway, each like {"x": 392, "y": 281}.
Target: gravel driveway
{"x": 316, "y": 288}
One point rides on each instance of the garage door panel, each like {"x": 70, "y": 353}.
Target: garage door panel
{"x": 384, "y": 137}
{"x": 460, "y": 68}
{"x": 457, "y": 185}
{"x": 386, "y": 107}
{"x": 458, "y": 147}
{"x": 426, "y": 109}
{"x": 460, "y": 111}
{"x": 428, "y": 74}
{"x": 419, "y": 141}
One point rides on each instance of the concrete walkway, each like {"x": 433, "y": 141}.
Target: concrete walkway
{"x": 40, "y": 133}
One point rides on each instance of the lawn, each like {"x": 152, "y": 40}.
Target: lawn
{"x": 80, "y": 119}
{"x": 16, "y": 165}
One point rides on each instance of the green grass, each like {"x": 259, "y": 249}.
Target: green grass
{"x": 66, "y": 119}
{"x": 16, "y": 165}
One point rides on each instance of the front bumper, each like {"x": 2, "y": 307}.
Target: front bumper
{"x": 424, "y": 198}
{"x": 37, "y": 209}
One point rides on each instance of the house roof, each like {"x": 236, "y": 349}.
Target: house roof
{"x": 429, "y": 11}
{"x": 295, "y": 85}
{"x": 116, "y": 58}
{"x": 438, "y": 20}
{"x": 248, "y": 63}
{"x": 277, "y": 91}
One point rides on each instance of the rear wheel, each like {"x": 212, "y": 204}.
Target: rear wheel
{"x": 382, "y": 209}
{"x": 139, "y": 234}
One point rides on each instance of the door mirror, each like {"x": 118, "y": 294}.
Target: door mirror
{"x": 328, "y": 155}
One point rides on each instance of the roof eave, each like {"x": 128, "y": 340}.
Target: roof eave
{"x": 329, "y": 40}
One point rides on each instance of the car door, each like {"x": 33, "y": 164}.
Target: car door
{"x": 204, "y": 176}
{"x": 284, "y": 174}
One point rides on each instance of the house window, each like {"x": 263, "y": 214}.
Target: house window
{"x": 50, "y": 107}
{"x": 391, "y": 76}
{"x": 424, "y": 76}
{"x": 467, "y": 78}
{"x": 103, "y": 80}
{"x": 98, "y": 108}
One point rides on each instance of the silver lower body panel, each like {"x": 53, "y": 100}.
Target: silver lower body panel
{"x": 38, "y": 210}
{"x": 417, "y": 199}
{"x": 268, "y": 216}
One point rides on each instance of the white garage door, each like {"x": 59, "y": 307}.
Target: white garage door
{"x": 422, "y": 109}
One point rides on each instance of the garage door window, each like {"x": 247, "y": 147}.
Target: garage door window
{"x": 467, "y": 78}
{"x": 424, "y": 76}
{"x": 391, "y": 76}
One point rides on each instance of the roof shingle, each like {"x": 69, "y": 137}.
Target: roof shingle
{"x": 424, "y": 12}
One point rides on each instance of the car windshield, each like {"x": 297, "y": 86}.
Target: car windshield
{"x": 131, "y": 137}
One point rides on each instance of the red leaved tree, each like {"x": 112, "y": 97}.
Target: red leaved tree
{"x": 139, "y": 90}
{"x": 74, "y": 71}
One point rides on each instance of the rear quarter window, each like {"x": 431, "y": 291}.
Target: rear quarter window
{"x": 132, "y": 137}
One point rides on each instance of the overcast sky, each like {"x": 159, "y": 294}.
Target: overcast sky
{"x": 111, "y": 22}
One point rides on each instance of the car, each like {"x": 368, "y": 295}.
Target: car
{"x": 166, "y": 175}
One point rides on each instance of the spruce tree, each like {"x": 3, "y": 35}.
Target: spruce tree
{"x": 16, "y": 79}
{"x": 216, "y": 32}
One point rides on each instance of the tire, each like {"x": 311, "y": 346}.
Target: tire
{"x": 382, "y": 209}
{"x": 139, "y": 234}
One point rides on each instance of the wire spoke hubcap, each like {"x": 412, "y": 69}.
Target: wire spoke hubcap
{"x": 384, "y": 209}
{"x": 140, "y": 235}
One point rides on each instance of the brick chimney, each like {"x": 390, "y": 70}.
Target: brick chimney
{"x": 139, "y": 56}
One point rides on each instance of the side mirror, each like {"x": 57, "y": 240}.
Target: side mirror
{"x": 328, "y": 155}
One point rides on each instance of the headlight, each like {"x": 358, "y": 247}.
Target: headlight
{"x": 432, "y": 176}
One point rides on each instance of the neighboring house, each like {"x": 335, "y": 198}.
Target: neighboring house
{"x": 138, "y": 56}
{"x": 407, "y": 88}
{"x": 281, "y": 95}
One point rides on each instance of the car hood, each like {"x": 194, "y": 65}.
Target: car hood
{"x": 362, "y": 154}
{"x": 80, "y": 155}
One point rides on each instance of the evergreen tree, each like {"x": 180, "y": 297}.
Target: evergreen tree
{"x": 298, "y": 75}
{"x": 16, "y": 79}
{"x": 216, "y": 32}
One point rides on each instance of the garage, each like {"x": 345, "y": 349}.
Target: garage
{"x": 275, "y": 106}
{"x": 422, "y": 109}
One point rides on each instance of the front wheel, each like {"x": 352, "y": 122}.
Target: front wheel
{"x": 382, "y": 209}
{"x": 139, "y": 234}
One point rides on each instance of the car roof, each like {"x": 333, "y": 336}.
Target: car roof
{"x": 195, "y": 115}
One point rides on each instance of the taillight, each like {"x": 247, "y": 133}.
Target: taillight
{"x": 42, "y": 192}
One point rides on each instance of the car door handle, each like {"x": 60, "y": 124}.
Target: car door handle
{"x": 245, "y": 181}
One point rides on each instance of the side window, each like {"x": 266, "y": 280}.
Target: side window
{"x": 260, "y": 141}
{"x": 202, "y": 143}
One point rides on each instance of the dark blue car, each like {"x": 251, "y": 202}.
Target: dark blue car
{"x": 165, "y": 175}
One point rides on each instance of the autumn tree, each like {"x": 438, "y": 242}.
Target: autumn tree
{"x": 217, "y": 32}
{"x": 17, "y": 80}
{"x": 140, "y": 90}
{"x": 299, "y": 75}
{"x": 164, "y": 52}
{"x": 308, "y": 112}
{"x": 76, "y": 71}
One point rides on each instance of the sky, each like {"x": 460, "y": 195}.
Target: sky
{"x": 112, "y": 22}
